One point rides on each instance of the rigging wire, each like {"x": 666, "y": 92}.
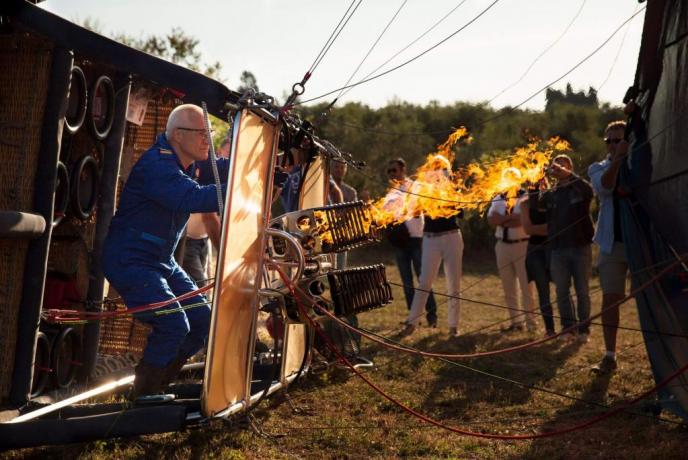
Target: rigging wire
{"x": 542, "y": 53}
{"x": 427, "y": 31}
{"x": 458, "y": 430}
{"x": 506, "y": 110}
{"x": 511, "y": 349}
{"x": 374, "y": 77}
{"x": 370, "y": 50}
{"x": 336, "y": 28}
{"x": 328, "y": 46}
{"x": 616, "y": 57}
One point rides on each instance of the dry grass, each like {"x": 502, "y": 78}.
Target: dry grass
{"x": 342, "y": 418}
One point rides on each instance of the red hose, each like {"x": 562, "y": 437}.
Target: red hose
{"x": 523, "y": 346}
{"x": 59, "y": 316}
{"x": 463, "y": 431}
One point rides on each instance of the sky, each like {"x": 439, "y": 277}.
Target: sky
{"x": 277, "y": 40}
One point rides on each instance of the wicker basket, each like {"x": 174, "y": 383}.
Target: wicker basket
{"x": 25, "y": 63}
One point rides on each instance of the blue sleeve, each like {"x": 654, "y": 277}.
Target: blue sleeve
{"x": 167, "y": 185}
{"x": 595, "y": 173}
{"x": 205, "y": 171}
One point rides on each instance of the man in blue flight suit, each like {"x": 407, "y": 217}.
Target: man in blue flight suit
{"x": 154, "y": 208}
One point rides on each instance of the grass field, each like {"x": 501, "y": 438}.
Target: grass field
{"x": 339, "y": 416}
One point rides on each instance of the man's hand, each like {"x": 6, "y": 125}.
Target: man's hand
{"x": 621, "y": 150}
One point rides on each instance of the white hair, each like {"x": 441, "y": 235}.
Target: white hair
{"x": 180, "y": 117}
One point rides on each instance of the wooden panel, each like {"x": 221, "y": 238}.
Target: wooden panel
{"x": 294, "y": 349}
{"x": 240, "y": 264}
{"x": 313, "y": 195}
{"x": 314, "y": 190}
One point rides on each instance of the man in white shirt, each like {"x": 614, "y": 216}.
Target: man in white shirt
{"x": 511, "y": 249}
{"x": 201, "y": 227}
{"x": 407, "y": 241}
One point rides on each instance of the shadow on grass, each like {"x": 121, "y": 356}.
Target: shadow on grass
{"x": 459, "y": 391}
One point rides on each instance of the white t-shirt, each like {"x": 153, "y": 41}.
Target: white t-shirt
{"x": 498, "y": 207}
{"x": 395, "y": 201}
{"x": 196, "y": 227}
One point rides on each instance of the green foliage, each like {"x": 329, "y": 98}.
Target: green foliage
{"x": 409, "y": 131}
{"x": 177, "y": 47}
{"x": 553, "y": 96}
{"x": 248, "y": 80}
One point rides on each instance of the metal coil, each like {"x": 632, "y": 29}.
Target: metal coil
{"x": 359, "y": 289}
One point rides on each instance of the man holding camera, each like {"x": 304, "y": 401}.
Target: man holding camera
{"x": 612, "y": 264}
{"x": 570, "y": 230}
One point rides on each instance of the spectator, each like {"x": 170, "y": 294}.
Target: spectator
{"x": 407, "y": 241}
{"x": 570, "y": 228}
{"x": 348, "y": 195}
{"x": 201, "y": 226}
{"x": 612, "y": 264}
{"x": 442, "y": 241}
{"x": 534, "y": 221}
{"x": 511, "y": 249}
{"x": 339, "y": 170}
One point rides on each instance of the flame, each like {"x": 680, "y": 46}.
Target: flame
{"x": 323, "y": 225}
{"x": 438, "y": 191}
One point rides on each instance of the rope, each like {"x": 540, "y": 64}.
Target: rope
{"x": 459, "y": 430}
{"x": 370, "y": 50}
{"x": 299, "y": 88}
{"x": 213, "y": 160}
{"x": 57, "y": 315}
{"x": 427, "y": 31}
{"x": 366, "y": 80}
{"x": 322, "y": 52}
{"x": 505, "y": 110}
{"x": 524, "y": 346}
{"x": 616, "y": 57}
{"x": 545, "y": 51}
{"x": 523, "y": 311}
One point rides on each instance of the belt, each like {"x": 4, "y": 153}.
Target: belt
{"x": 520, "y": 240}
{"x": 436, "y": 234}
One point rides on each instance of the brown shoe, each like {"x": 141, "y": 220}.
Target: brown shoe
{"x": 171, "y": 371}
{"x": 148, "y": 380}
{"x": 453, "y": 332}
{"x": 408, "y": 330}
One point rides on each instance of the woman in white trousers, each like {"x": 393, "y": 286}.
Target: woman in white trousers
{"x": 442, "y": 241}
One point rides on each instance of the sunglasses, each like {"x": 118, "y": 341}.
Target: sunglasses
{"x": 612, "y": 141}
{"x": 392, "y": 171}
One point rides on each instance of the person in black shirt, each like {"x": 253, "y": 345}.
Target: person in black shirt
{"x": 442, "y": 241}
{"x": 570, "y": 231}
{"x": 534, "y": 221}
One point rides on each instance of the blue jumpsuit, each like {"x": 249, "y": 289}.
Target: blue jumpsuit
{"x": 138, "y": 258}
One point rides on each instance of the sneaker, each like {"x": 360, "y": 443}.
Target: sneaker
{"x": 583, "y": 337}
{"x": 453, "y": 332}
{"x": 605, "y": 366}
{"x": 408, "y": 330}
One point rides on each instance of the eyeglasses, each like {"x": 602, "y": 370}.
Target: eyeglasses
{"x": 199, "y": 131}
{"x": 612, "y": 141}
